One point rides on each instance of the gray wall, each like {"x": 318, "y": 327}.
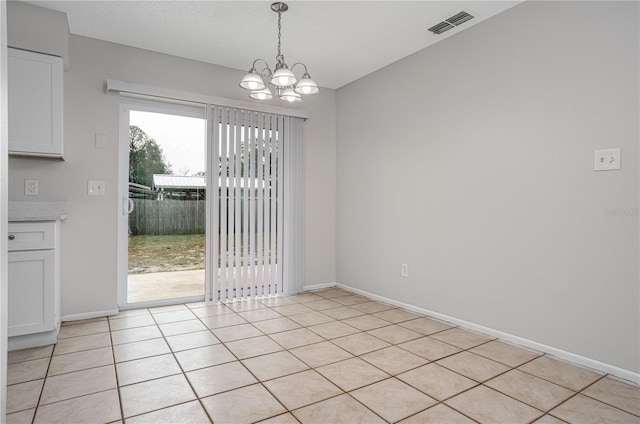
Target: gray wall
{"x": 472, "y": 161}
{"x": 89, "y": 234}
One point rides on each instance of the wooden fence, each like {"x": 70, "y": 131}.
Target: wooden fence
{"x": 167, "y": 217}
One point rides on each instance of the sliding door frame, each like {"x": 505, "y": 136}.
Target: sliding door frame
{"x": 173, "y": 108}
{"x": 293, "y": 173}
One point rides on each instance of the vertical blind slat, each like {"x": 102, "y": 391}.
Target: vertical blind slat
{"x": 224, "y": 140}
{"x": 245, "y": 203}
{"x": 251, "y": 245}
{"x": 267, "y": 202}
{"x": 280, "y": 218}
{"x": 260, "y": 208}
{"x": 231, "y": 166}
{"x": 215, "y": 212}
{"x": 237, "y": 193}
{"x": 275, "y": 168}
{"x": 272, "y": 202}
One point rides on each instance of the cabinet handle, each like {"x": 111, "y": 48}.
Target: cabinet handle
{"x": 12, "y": 237}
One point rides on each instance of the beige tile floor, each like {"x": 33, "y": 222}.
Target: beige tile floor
{"x": 324, "y": 357}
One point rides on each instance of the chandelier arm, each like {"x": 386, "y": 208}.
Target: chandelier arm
{"x": 266, "y": 73}
{"x": 299, "y": 63}
{"x": 253, "y": 66}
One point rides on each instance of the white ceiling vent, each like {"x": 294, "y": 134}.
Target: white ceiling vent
{"x": 452, "y": 22}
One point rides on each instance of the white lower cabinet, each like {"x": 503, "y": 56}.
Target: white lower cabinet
{"x": 31, "y": 295}
{"x": 34, "y": 283}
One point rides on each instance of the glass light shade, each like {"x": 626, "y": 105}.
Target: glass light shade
{"x": 264, "y": 94}
{"x": 283, "y": 78}
{"x": 306, "y": 86}
{"x": 290, "y": 95}
{"x": 252, "y": 81}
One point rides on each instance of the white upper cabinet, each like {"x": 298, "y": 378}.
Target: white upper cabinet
{"x": 35, "y": 104}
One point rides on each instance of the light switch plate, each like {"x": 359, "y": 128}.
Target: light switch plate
{"x": 30, "y": 187}
{"x": 95, "y": 188}
{"x": 606, "y": 160}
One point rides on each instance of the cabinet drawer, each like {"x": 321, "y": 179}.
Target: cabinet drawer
{"x": 31, "y": 236}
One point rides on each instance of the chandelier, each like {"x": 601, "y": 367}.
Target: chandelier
{"x": 282, "y": 79}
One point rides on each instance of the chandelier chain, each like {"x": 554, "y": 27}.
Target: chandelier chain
{"x": 279, "y": 29}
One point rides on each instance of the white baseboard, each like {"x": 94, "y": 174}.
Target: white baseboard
{"x": 89, "y": 315}
{"x": 33, "y": 340}
{"x": 558, "y": 353}
{"x": 318, "y": 286}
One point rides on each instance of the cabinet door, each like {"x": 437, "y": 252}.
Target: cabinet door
{"x": 35, "y": 103}
{"x": 31, "y": 294}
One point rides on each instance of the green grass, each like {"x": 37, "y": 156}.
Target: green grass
{"x": 166, "y": 253}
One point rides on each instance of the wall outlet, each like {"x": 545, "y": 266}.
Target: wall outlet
{"x": 30, "y": 187}
{"x": 607, "y": 160}
{"x": 95, "y": 188}
{"x": 404, "y": 270}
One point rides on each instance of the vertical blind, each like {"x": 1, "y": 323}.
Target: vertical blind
{"x": 247, "y": 210}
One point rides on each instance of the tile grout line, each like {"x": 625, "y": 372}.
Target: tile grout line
{"x": 44, "y": 381}
{"x": 115, "y": 371}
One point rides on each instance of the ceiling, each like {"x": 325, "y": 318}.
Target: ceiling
{"x": 339, "y": 41}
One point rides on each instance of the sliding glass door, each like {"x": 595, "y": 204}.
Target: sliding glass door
{"x": 164, "y": 206}
{"x": 209, "y": 204}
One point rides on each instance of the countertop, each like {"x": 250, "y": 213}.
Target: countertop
{"x": 37, "y": 211}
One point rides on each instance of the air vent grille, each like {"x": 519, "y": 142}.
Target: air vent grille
{"x": 441, "y": 27}
{"x": 452, "y": 22}
{"x": 459, "y": 18}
